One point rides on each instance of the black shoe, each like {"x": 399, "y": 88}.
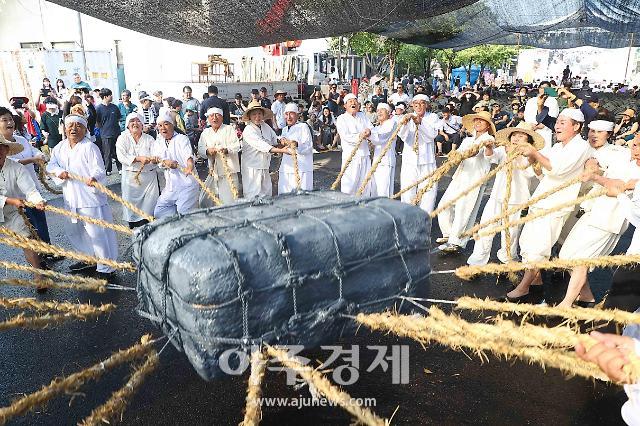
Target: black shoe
{"x": 41, "y": 289}
{"x": 107, "y": 276}
{"x": 536, "y": 289}
{"x": 80, "y": 266}
{"x": 53, "y": 258}
{"x": 531, "y": 298}
{"x": 584, "y": 304}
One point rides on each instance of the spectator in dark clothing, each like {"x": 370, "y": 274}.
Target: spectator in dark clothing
{"x": 500, "y": 118}
{"x": 157, "y": 104}
{"x": 265, "y": 102}
{"x": 517, "y": 118}
{"x": 50, "y": 122}
{"x": 467, "y": 101}
{"x": 191, "y": 123}
{"x": 108, "y": 121}
{"x": 378, "y": 97}
{"x": 214, "y": 101}
{"x": 126, "y": 107}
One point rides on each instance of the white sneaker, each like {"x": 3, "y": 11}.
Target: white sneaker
{"x": 442, "y": 240}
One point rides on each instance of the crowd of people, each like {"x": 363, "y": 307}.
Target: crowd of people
{"x": 555, "y": 135}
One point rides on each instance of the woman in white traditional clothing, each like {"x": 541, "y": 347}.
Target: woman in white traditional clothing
{"x": 598, "y": 231}
{"x": 295, "y": 135}
{"x": 507, "y": 139}
{"x": 78, "y": 155}
{"x": 173, "y": 149}
{"x": 354, "y": 129}
{"x": 16, "y": 186}
{"x": 219, "y": 143}
{"x": 385, "y": 173}
{"x": 135, "y": 150}
{"x": 456, "y": 219}
{"x": 259, "y": 141}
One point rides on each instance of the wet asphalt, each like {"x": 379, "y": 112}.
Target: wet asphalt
{"x": 445, "y": 387}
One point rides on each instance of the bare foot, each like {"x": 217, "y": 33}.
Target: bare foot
{"x": 518, "y": 292}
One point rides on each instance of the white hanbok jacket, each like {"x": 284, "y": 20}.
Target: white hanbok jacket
{"x": 15, "y": 182}
{"x": 224, "y": 137}
{"x": 178, "y": 148}
{"x": 379, "y": 137}
{"x": 300, "y": 133}
{"x": 256, "y": 144}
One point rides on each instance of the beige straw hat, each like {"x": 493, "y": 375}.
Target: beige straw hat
{"x": 502, "y": 137}
{"x": 253, "y": 105}
{"x": 467, "y": 121}
{"x": 14, "y": 147}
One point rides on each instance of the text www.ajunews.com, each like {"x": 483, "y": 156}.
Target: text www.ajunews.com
{"x": 301, "y": 402}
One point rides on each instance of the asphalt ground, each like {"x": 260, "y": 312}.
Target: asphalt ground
{"x": 445, "y": 387}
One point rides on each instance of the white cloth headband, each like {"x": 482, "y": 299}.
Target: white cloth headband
{"x": 131, "y": 116}
{"x": 601, "y": 125}
{"x": 214, "y": 110}
{"x": 74, "y": 118}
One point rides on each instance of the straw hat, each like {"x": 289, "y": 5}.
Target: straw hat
{"x": 502, "y": 137}
{"x": 629, "y": 113}
{"x": 14, "y": 147}
{"x": 253, "y": 105}
{"x": 467, "y": 121}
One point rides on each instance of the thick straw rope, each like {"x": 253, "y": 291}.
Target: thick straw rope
{"x": 416, "y": 146}
{"x": 47, "y": 320}
{"x": 43, "y": 180}
{"x": 27, "y": 222}
{"x": 253, "y": 411}
{"x": 376, "y": 163}
{"x": 353, "y": 153}
{"x": 206, "y": 190}
{"x": 88, "y": 219}
{"x": 474, "y": 230}
{"x": 109, "y": 193}
{"x": 296, "y": 166}
{"x": 52, "y": 274}
{"x": 473, "y": 186}
{"x": 452, "y": 331}
{"x": 112, "y": 410}
{"x": 16, "y": 240}
{"x": 45, "y": 283}
{"x": 455, "y": 158}
{"x": 36, "y": 305}
{"x": 73, "y": 382}
{"x": 573, "y": 314}
{"x": 468, "y": 272}
{"x": 506, "y": 224}
{"x": 324, "y": 386}
{"x": 227, "y": 174}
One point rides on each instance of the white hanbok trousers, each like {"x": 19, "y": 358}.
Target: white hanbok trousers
{"x": 482, "y": 246}
{"x": 143, "y": 195}
{"x": 287, "y": 181}
{"x": 461, "y": 216}
{"x": 219, "y": 185}
{"x": 538, "y": 236}
{"x": 354, "y": 176}
{"x": 15, "y": 222}
{"x": 92, "y": 239}
{"x": 180, "y": 200}
{"x": 256, "y": 182}
{"x": 586, "y": 241}
{"x": 383, "y": 178}
{"x": 409, "y": 174}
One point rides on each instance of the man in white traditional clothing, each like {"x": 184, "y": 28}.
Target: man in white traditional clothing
{"x": 508, "y": 139}
{"x": 456, "y": 219}
{"x": 381, "y": 135}
{"x": 16, "y": 186}
{"x": 563, "y": 162}
{"x": 219, "y": 143}
{"x": 541, "y": 110}
{"x": 598, "y": 231}
{"x": 173, "y": 149}
{"x": 277, "y": 108}
{"x": 295, "y": 135}
{"x": 136, "y": 151}
{"x": 79, "y": 156}
{"x": 259, "y": 141}
{"x": 419, "y": 152}
{"x": 354, "y": 129}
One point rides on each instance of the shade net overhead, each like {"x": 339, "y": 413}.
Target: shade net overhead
{"x": 439, "y": 23}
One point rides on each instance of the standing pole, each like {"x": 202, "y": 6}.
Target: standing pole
{"x": 84, "y": 55}
{"x": 626, "y": 70}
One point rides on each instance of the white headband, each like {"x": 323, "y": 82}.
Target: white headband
{"x": 74, "y": 118}
{"x": 383, "y": 105}
{"x": 349, "y": 96}
{"x": 51, "y": 105}
{"x": 601, "y": 125}
{"x": 165, "y": 116}
{"x": 400, "y": 106}
{"x": 421, "y": 97}
{"x": 573, "y": 113}
{"x": 291, "y": 107}
{"x": 131, "y": 116}
{"x": 214, "y": 110}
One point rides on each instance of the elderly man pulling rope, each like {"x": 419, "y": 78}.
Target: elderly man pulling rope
{"x": 296, "y": 168}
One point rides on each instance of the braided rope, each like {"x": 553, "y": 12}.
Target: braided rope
{"x": 49, "y": 320}
{"x": 378, "y": 160}
{"x": 542, "y": 212}
{"x": 16, "y": 240}
{"x": 253, "y": 410}
{"x": 352, "y": 155}
{"x": 503, "y": 209}
{"x": 51, "y": 274}
{"x": 88, "y": 219}
{"x": 474, "y": 230}
{"x": 136, "y": 177}
{"x": 473, "y": 186}
{"x": 468, "y": 272}
{"x": 71, "y": 383}
{"x": 115, "y": 197}
{"x": 112, "y": 410}
{"x": 206, "y": 190}
{"x": 27, "y": 222}
{"x": 46, "y": 283}
{"x": 37, "y": 305}
{"x": 455, "y": 158}
{"x": 227, "y": 175}
{"x": 43, "y": 180}
{"x": 416, "y": 147}
{"x": 296, "y": 166}
{"x": 326, "y": 388}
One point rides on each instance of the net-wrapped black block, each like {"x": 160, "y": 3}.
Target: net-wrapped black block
{"x": 278, "y": 270}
